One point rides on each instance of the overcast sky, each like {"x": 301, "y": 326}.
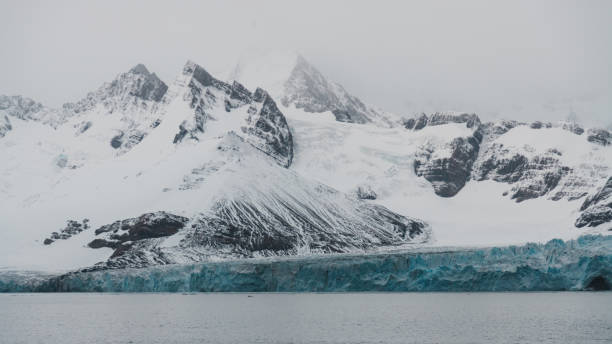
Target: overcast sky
{"x": 517, "y": 59}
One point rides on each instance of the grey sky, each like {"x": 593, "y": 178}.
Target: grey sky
{"x": 517, "y": 59}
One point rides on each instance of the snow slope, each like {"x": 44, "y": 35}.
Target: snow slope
{"x": 214, "y": 155}
{"x": 348, "y": 156}
{"x": 139, "y": 173}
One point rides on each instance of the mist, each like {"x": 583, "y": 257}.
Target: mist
{"x": 522, "y": 60}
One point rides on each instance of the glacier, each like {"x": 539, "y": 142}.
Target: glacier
{"x": 581, "y": 264}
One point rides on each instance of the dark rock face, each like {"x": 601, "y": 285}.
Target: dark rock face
{"x": 309, "y": 90}
{"x": 266, "y": 128}
{"x": 365, "y": 192}
{"x": 440, "y": 118}
{"x": 599, "y": 136}
{"x": 600, "y": 197}
{"x": 448, "y": 175}
{"x": 499, "y": 128}
{"x": 234, "y": 228}
{"x": 271, "y": 130}
{"x": 121, "y": 235}
{"x": 72, "y": 228}
{"x": 117, "y": 140}
{"x": 573, "y": 127}
{"x": 124, "y": 141}
{"x": 240, "y": 93}
{"x": 5, "y": 126}
{"x": 597, "y": 208}
{"x": 534, "y": 177}
{"x": 150, "y": 87}
{"x": 595, "y": 216}
{"x": 128, "y": 89}
{"x": 242, "y": 228}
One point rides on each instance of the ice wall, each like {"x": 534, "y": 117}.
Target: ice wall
{"x": 584, "y": 263}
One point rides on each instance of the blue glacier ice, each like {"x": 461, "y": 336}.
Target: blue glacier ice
{"x": 584, "y": 263}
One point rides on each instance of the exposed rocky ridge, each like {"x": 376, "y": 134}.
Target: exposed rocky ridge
{"x": 440, "y": 118}
{"x": 573, "y": 127}
{"x": 365, "y": 191}
{"x": 533, "y": 173}
{"x": 534, "y": 177}
{"x": 479, "y": 157}
{"x": 308, "y": 89}
{"x": 449, "y": 173}
{"x": 268, "y": 130}
{"x": 261, "y": 218}
{"x": 5, "y": 125}
{"x": 599, "y": 136}
{"x": 265, "y": 128}
{"x": 123, "y": 234}
{"x": 243, "y": 229}
{"x": 597, "y": 208}
{"x": 72, "y": 228}
{"x": 133, "y": 96}
{"x": 304, "y": 87}
{"x": 138, "y": 87}
{"x": 29, "y": 110}
{"x": 286, "y": 215}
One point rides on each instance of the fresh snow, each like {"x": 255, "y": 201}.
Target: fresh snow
{"x": 345, "y": 155}
{"x": 53, "y": 173}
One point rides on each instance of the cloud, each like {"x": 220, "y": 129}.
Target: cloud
{"x": 516, "y": 59}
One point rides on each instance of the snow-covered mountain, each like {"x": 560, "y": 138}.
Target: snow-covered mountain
{"x": 295, "y": 82}
{"x": 140, "y": 173}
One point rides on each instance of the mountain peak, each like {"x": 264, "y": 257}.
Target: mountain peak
{"x": 138, "y": 83}
{"x": 289, "y": 77}
{"x": 199, "y": 73}
{"x": 140, "y": 69}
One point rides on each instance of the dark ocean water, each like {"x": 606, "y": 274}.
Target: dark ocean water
{"x": 564, "y": 317}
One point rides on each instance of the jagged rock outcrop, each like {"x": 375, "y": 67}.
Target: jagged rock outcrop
{"x": 365, "y": 192}
{"x": 243, "y": 228}
{"x": 122, "y": 235}
{"x": 531, "y": 177}
{"x": 286, "y": 215}
{"x": 133, "y": 96}
{"x": 137, "y": 88}
{"x": 597, "y": 208}
{"x": 29, "y": 110}
{"x": 265, "y": 127}
{"x": 599, "y": 136}
{"x": 573, "y": 127}
{"x": 268, "y": 130}
{"x": 5, "y": 125}
{"x": 72, "y": 228}
{"x": 448, "y": 173}
{"x": 149, "y": 86}
{"x": 302, "y": 85}
{"x": 492, "y": 130}
{"x": 308, "y": 89}
{"x": 540, "y": 125}
{"x": 533, "y": 169}
{"x": 440, "y": 118}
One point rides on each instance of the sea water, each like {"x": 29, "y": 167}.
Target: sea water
{"x": 527, "y": 317}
